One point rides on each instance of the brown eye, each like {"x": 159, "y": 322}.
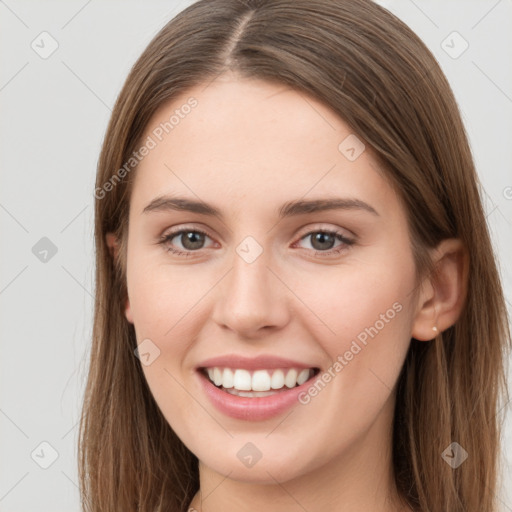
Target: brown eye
{"x": 323, "y": 241}
{"x": 190, "y": 240}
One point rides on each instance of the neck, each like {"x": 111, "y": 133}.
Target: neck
{"x": 358, "y": 480}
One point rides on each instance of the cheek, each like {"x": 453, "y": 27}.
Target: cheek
{"x": 163, "y": 302}
{"x": 366, "y": 320}
{"x": 163, "y": 297}
{"x": 352, "y": 301}
{"x": 169, "y": 308}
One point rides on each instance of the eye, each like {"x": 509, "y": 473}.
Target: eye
{"x": 191, "y": 240}
{"x": 322, "y": 241}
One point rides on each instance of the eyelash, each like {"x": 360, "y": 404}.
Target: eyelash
{"x": 347, "y": 242}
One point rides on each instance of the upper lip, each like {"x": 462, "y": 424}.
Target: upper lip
{"x": 263, "y": 361}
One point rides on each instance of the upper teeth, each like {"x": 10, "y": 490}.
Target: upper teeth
{"x": 259, "y": 380}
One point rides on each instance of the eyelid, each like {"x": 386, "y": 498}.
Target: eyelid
{"x": 171, "y": 233}
{"x": 322, "y": 227}
{"x": 184, "y": 227}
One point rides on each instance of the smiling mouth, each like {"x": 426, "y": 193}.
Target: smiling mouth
{"x": 258, "y": 383}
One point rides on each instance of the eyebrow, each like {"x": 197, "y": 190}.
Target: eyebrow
{"x": 289, "y": 209}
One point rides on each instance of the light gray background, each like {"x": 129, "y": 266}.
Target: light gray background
{"x": 54, "y": 115}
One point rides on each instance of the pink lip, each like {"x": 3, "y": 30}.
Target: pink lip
{"x": 254, "y": 363}
{"x": 252, "y": 409}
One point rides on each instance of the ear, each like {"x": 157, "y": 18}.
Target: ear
{"x": 128, "y": 311}
{"x": 442, "y": 293}
{"x": 113, "y": 246}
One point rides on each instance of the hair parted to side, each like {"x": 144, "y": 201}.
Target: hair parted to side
{"x": 378, "y": 76}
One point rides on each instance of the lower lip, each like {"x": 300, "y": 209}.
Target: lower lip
{"x": 252, "y": 409}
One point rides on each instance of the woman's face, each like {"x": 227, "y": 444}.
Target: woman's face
{"x": 278, "y": 289}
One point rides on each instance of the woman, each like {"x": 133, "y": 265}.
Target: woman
{"x": 297, "y": 303}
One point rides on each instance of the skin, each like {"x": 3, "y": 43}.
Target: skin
{"x": 248, "y": 147}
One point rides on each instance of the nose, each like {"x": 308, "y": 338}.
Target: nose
{"x": 251, "y": 299}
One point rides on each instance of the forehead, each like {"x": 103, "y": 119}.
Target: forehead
{"x": 255, "y": 142}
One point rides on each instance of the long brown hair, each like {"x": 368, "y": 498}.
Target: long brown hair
{"x": 378, "y": 76}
